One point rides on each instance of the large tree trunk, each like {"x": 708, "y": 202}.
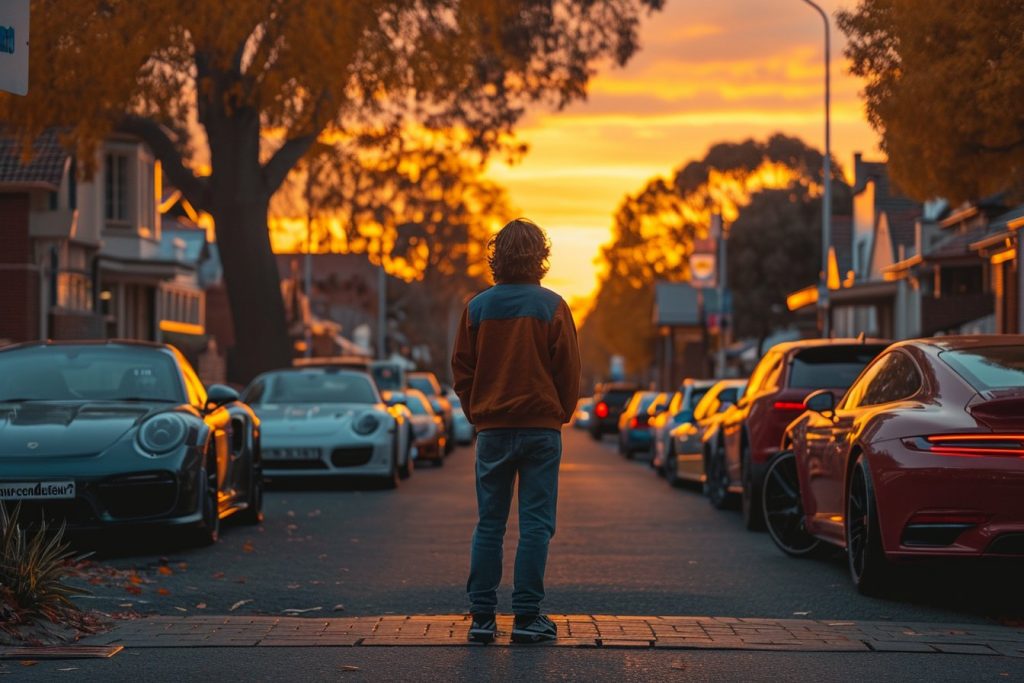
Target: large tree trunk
{"x": 238, "y": 202}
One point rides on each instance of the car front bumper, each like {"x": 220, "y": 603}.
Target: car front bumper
{"x": 297, "y": 456}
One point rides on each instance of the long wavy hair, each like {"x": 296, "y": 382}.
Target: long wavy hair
{"x": 519, "y": 252}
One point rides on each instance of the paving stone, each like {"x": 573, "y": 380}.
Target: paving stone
{"x": 899, "y": 646}
{"x": 964, "y": 649}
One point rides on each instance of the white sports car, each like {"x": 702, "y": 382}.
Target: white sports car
{"x": 329, "y": 421}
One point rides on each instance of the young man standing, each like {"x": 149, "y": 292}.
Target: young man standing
{"x": 517, "y": 372}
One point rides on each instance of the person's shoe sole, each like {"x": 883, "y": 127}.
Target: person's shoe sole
{"x": 481, "y": 635}
{"x": 530, "y": 637}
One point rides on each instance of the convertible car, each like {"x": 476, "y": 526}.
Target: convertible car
{"x": 329, "y": 421}
{"x": 108, "y": 434}
{"x": 921, "y": 458}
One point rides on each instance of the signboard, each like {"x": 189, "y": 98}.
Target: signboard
{"x": 14, "y": 46}
{"x": 702, "y": 269}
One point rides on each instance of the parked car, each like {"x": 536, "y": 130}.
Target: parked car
{"x": 751, "y": 431}
{"x": 428, "y": 428}
{"x": 685, "y": 458}
{"x": 922, "y": 458}
{"x": 340, "y": 362}
{"x": 634, "y": 435}
{"x": 462, "y": 429}
{"x": 679, "y": 411}
{"x": 426, "y": 382}
{"x": 121, "y": 433}
{"x": 609, "y": 402}
{"x": 583, "y": 414}
{"x": 328, "y": 422}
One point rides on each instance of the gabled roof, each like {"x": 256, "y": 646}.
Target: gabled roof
{"x": 842, "y": 243}
{"x": 45, "y": 170}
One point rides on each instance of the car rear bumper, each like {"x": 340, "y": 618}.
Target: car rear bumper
{"x": 941, "y": 505}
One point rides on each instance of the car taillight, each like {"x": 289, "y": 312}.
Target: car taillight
{"x": 601, "y": 409}
{"x": 790, "y": 405}
{"x": 634, "y": 423}
{"x": 969, "y": 445}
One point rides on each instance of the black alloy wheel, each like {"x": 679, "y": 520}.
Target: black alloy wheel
{"x": 253, "y": 512}
{"x": 783, "y": 507}
{"x": 717, "y": 481}
{"x": 405, "y": 471}
{"x": 671, "y": 466}
{"x": 595, "y": 433}
{"x": 208, "y": 531}
{"x": 390, "y": 480}
{"x": 869, "y": 569}
{"x": 750, "y": 503}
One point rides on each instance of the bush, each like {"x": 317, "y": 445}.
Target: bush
{"x": 32, "y": 570}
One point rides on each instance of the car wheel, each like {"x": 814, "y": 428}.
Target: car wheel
{"x": 405, "y": 471}
{"x": 783, "y": 507}
{"x": 753, "y": 518}
{"x": 253, "y": 513}
{"x": 390, "y": 480}
{"x": 717, "y": 486}
{"x": 671, "y": 467}
{"x": 595, "y": 434}
{"x": 869, "y": 569}
{"x": 208, "y": 531}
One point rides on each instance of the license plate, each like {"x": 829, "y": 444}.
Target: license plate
{"x": 37, "y": 490}
{"x": 292, "y": 454}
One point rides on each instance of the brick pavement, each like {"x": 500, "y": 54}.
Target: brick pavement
{"x": 575, "y": 630}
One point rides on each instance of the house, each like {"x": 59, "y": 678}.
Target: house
{"x": 86, "y": 258}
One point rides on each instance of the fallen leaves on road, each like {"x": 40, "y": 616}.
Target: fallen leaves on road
{"x": 218, "y": 575}
{"x": 348, "y": 667}
{"x": 295, "y": 610}
{"x": 164, "y": 570}
{"x": 163, "y": 591}
{"x": 201, "y": 605}
{"x": 248, "y": 547}
{"x": 338, "y": 608}
{"x": 314, "y": 513}
{"x": 239, "y": 604}
{"x": 28, "y": 662}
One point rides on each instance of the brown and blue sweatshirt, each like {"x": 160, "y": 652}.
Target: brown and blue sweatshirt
{"x": 516, "y": 361}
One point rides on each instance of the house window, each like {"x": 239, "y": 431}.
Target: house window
{"x": 116, "y": 200}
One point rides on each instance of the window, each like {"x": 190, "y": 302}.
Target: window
{"x": 993, "y": 367}
{"x": 893, "y": 377}
{"x": 832, "y": 366}
{"x": 757, "y": 378}
{"x": 116, "y": 188}
{"x": 320, "y": 387}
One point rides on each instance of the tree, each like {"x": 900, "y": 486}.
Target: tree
{"x": 943, "y": 88}
{"x": 654, "y": 231}
{"x": 264, "y": 79}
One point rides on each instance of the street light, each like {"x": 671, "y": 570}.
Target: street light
{"x": 826, "y": 201}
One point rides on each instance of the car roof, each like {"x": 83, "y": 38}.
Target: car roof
{"x": 332, "y": 361}
{"x": 975, "y": 341}
{"x": 618, "y": 386}
{"x": 89, "y": 342}
{"x": 799, "y": 344}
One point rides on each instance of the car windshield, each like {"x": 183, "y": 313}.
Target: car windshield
{"x": 319, "y": 387}
{"x": 418, "y": 405}
{"x": 728, "y": 396}
{"x": 424, "y": 383}
{"x": 993, "y": 367}
{"x": 696, "y": 394}
{"x": 832, "y": 367}
{"x": 618, "y": 397}
{"x": 90, "y": 373}
{"x": 645, "y": 401}
{"x": 387, "y": 377}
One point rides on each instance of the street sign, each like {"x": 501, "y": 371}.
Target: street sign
{"x": 14, "y": 46}
{"x": 702, "y": 269}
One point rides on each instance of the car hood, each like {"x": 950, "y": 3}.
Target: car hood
{"x": 308, "y": 419}
{"x": 52, "y": 430}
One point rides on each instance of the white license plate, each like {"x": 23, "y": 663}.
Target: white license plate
{"x": 37, "y": 490}
{"x": 292, "y": 454}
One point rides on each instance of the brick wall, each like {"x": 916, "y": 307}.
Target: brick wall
{"x": 19, "y": 280}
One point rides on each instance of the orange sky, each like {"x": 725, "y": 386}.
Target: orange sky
{"x": 707, "y": 72}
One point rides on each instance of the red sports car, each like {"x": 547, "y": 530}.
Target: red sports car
{"x": 923, "y": 457}
{"x": 751, "y": 431}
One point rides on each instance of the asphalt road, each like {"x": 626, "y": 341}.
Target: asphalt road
{"x": 626, "y": 544}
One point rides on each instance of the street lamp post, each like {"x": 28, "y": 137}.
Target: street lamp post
{"x": 826, "y": 201}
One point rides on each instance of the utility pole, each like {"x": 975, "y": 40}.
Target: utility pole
{"x": 826, "y": 201}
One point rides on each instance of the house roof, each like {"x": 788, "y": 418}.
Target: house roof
{"x": 842, "y": 243}
{"x": 902, "y": 222}
{"x": 45, "y": 169}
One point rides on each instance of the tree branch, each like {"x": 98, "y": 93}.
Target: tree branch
{"x": 283, "y": 160}
{"x": 157, "y": 137}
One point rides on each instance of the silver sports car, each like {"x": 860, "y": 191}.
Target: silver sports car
{"x": 328, "y": 421}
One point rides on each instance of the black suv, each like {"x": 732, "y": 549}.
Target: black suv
{"x": 609, "y": 401}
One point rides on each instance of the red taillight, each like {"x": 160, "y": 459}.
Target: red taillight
{"x": 969, "y": 445}
{"x": 790, "y": 405}
{"x": 601, "y": 410}
{"x": 634, "y": 423}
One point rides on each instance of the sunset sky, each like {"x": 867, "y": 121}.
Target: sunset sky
{"x": 706, "y": 72}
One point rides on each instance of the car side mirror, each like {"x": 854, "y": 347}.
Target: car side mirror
{"x": 396, "y": 398}
{"x": 822, "y": 402}
{"x": 218, "y": 395}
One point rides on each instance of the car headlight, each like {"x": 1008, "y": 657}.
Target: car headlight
{"x": 161, "y": 434}
{"x": 366, "y": 424}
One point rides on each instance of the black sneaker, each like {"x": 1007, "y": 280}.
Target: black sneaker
{"x": 534, "y": 628}
{"x": 483, "y": 629}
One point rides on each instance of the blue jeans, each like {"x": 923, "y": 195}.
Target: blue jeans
{"x": 501, "y": 455}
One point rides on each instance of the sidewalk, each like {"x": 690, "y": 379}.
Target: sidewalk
{"x": 580, "y": 631}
